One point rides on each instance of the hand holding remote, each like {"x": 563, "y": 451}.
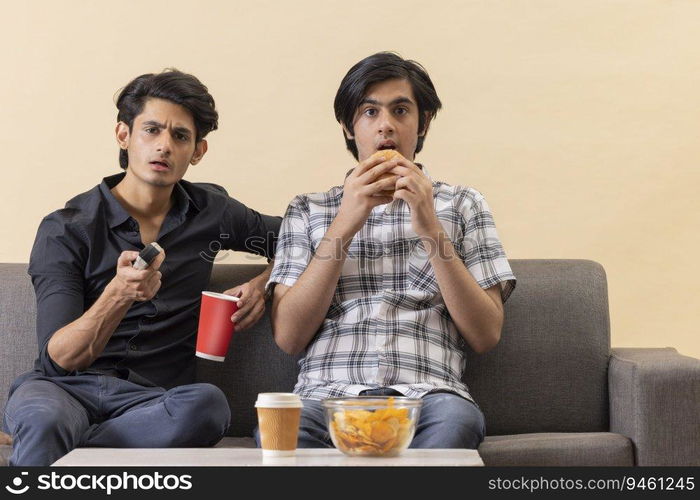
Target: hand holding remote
{"x": 138, "y": 277}
{"x": 147, "y": 255}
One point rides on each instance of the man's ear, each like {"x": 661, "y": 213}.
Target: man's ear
{"x": 426, "y": 125}
{"x": 347, "y": 133}
{"x": 199, "y": 150}
{"x": 122, "y": 134}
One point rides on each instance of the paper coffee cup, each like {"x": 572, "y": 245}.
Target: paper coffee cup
{"x": 279, "y": 414}
{"x": 215, "y": 325}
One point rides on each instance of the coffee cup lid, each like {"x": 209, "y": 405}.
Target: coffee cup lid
{"x": 278, "y": 400}
{"x": 221, "y": 296}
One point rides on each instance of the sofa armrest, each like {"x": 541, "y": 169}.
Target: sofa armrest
{"x": 655, "y": 401}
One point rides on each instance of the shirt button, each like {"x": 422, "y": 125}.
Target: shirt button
{"x": 133, "y": 347}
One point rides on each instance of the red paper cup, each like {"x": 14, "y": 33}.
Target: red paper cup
{"x": 215, "y": 325}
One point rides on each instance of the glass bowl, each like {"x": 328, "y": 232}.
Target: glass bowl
{"x": 372, "y": 425}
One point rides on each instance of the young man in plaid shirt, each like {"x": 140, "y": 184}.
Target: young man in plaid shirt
{"x": 381, "y": 291}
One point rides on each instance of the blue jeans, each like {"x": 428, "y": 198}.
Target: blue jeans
{"x": 446, "y": 421}
{"x": 49, "y": 416}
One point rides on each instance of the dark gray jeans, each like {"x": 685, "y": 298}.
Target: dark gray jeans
{"x": 49, "y": 416}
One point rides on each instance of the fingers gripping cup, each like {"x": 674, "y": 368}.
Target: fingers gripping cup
{"x": 278, "y": 422}
{"x": 215, "y": 325}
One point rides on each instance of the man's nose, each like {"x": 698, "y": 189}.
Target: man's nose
{"x": 386, "y": 123}
{"x": 165, "y": 144}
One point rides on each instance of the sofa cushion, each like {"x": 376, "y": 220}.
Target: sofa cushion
{"x": 549, "y": 371}
{"x": 17, "y": 325}
{"x": 5, "y": 452}
{"x": 558, "y": 449}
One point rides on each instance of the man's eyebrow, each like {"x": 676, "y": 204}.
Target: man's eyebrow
{"x": 401, "y": 100}
{"x": 398, "y": 100}
{"x": 183, "y": 130}
{"x": 153, "y": 123}
{"x": 367, "y": 100}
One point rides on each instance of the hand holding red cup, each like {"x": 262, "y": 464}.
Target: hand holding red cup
{"x": 215, "y": 325}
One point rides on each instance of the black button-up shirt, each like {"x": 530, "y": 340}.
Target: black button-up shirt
{"x": 75, "y": 256}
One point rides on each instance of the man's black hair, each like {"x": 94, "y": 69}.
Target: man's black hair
{"x": 174, "y": 86}
{"x": 378, "y": 68}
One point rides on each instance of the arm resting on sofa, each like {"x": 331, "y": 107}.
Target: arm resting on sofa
{"x": 655, "y": 401}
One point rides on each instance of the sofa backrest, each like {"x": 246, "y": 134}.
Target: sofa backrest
{"x": 253, "y": 364}
{"x": 548, "y": 373}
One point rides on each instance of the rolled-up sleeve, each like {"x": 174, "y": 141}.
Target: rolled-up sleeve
{"x": 294, "y": 247}
{"x": 56, "y": 268}
{"x": 246, "y": 230}
{"x": 481, "y": 249}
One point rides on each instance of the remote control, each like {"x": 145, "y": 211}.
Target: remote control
{"x": 147, "y": 255}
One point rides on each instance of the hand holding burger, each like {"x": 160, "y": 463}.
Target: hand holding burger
{"x": 388, "y": 154}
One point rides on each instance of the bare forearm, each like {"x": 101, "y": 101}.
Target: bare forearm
{"x": 78, "y": 344}
{"x": 476, "y": 316}
{"x": 298, "y": 314}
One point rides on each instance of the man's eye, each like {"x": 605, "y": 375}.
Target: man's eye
{"x": 401, "y": 111}
{"x": 370, "y": 112}
{"x": 151, "y": 130}
{"x": 181, "y": 137}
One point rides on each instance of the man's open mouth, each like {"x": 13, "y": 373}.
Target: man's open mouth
{"x": 160, "y": 164}
{"x": 386, "y": 145}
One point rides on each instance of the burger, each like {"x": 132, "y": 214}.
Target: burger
{"x": 388, "y": 154}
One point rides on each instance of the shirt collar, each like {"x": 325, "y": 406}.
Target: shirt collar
{"x": 116, "y": 214}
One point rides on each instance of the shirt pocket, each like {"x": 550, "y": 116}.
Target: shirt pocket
{"x": 421, "y": 275}
{"x": 420, "y": 271}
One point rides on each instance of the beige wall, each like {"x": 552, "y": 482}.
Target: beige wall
{"x": 577, "y": 120}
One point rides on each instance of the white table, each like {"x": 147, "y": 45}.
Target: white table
{"x": 242, "y": 457}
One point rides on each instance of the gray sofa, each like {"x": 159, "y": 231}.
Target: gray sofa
{"x": 553, "y": 391}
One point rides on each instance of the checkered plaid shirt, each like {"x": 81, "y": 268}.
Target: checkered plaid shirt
{"x": 388, "y": 325}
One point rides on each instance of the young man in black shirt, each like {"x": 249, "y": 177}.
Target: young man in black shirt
{"x": 116, "y": 344}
